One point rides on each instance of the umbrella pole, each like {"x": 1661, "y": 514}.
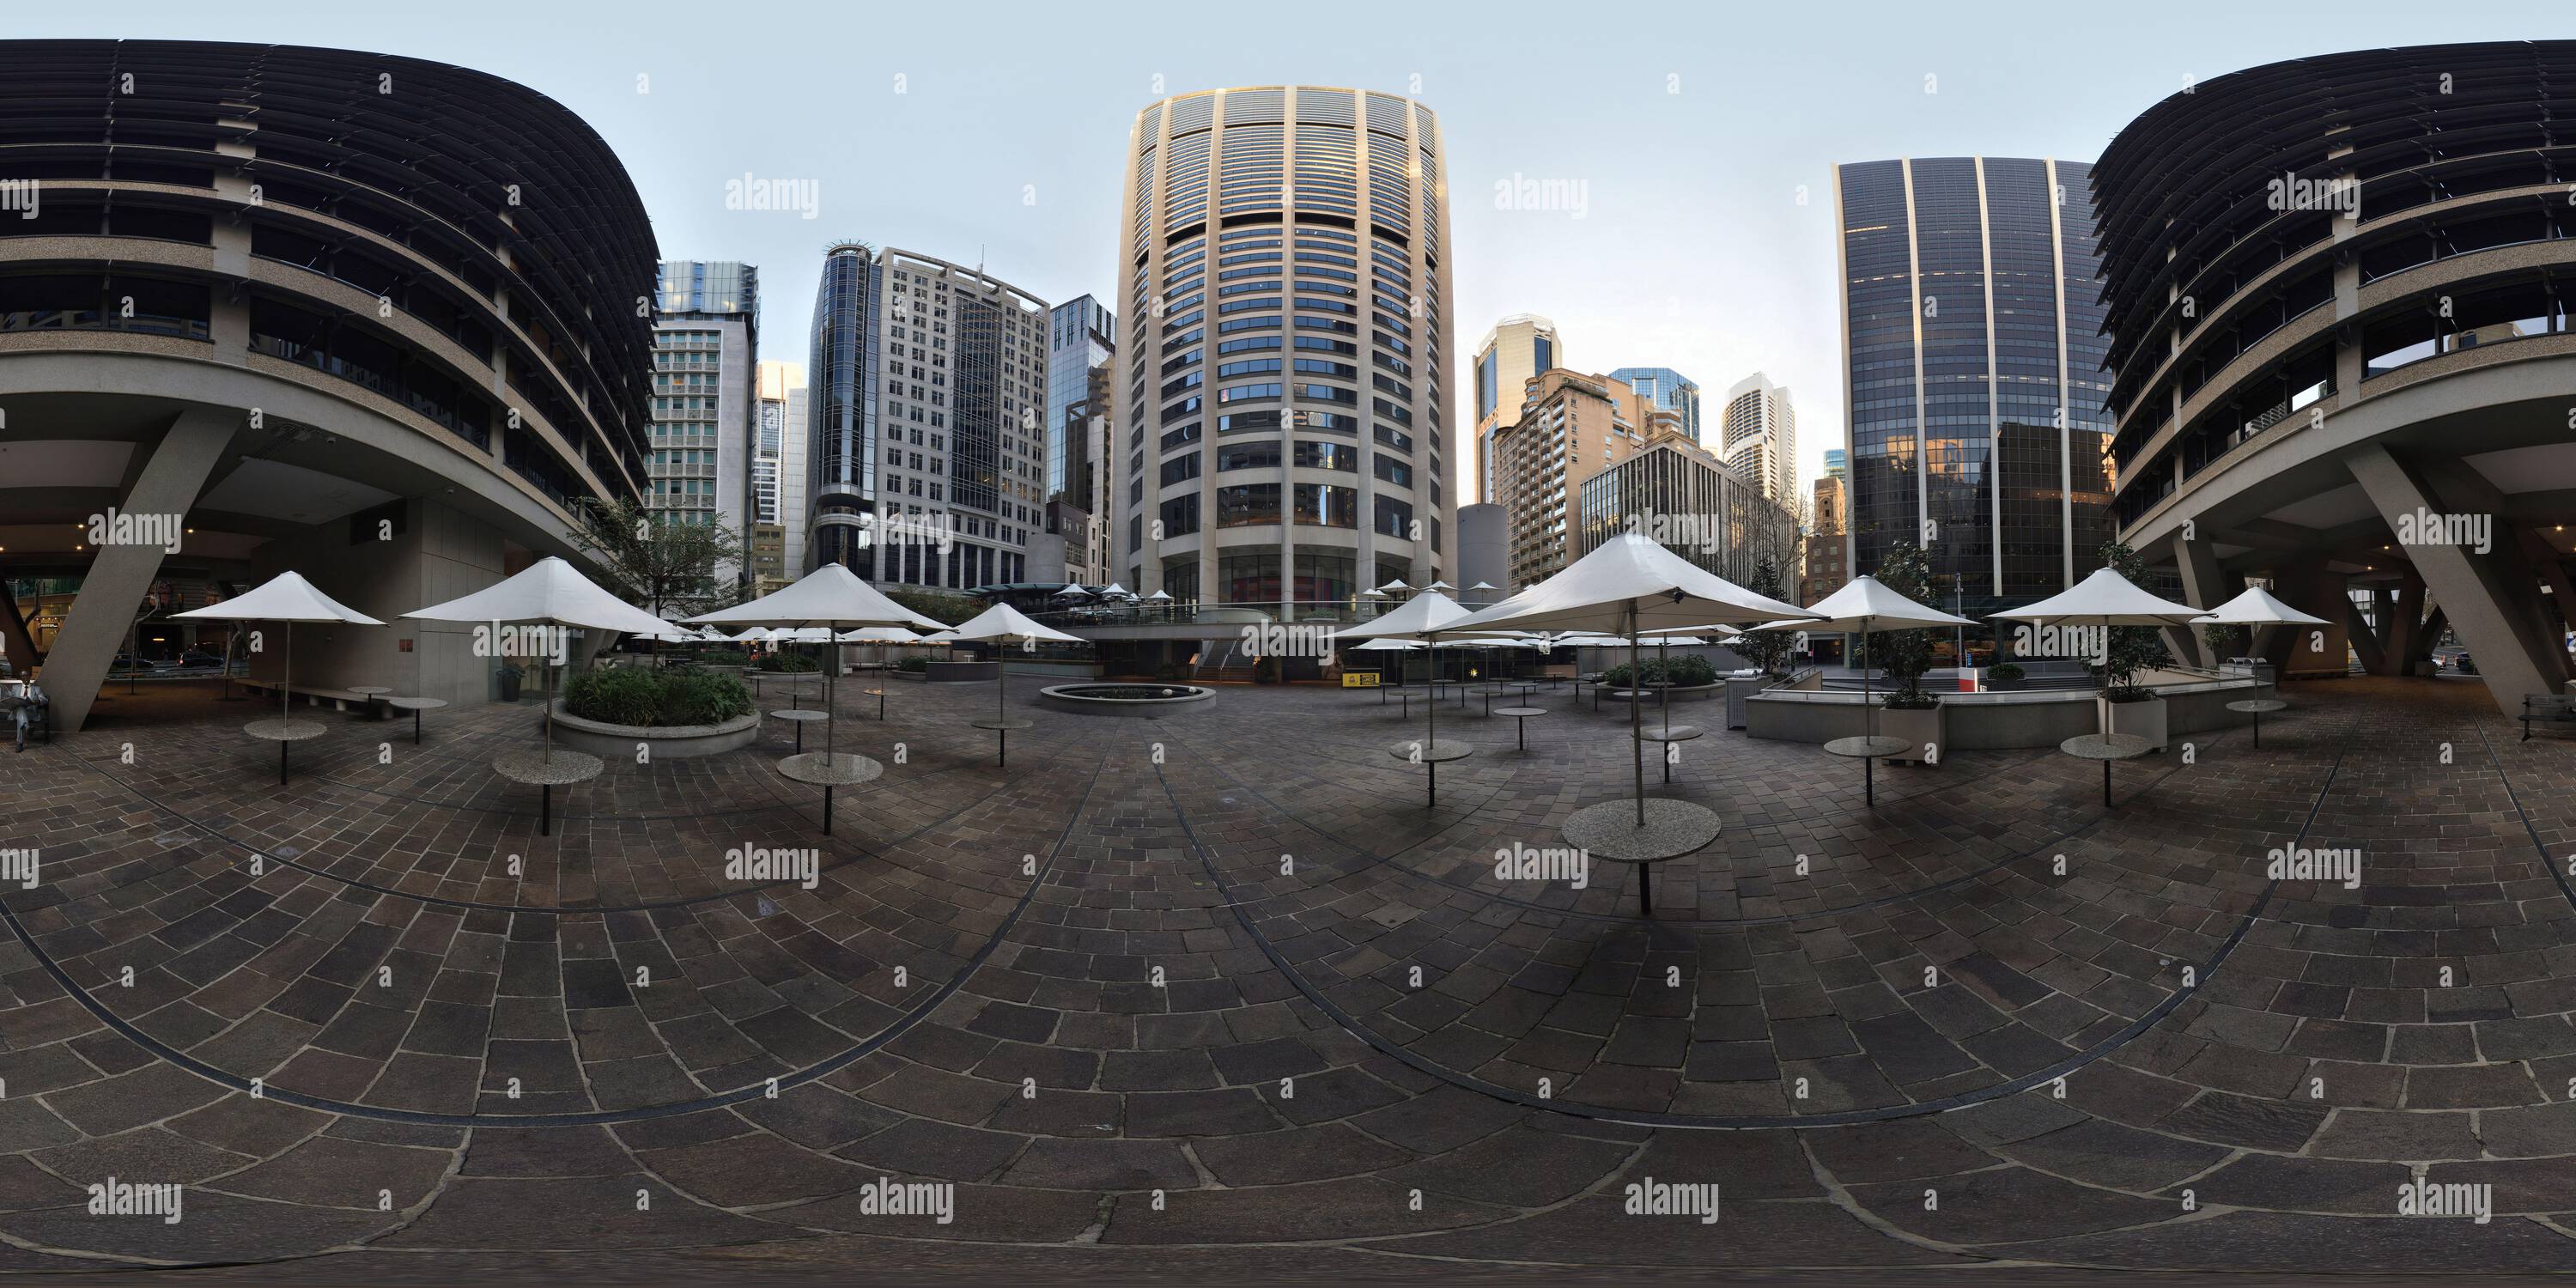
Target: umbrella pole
{"x": 550, "y": 715}
{"x": 285, "y": 690}
{"x": 1868, "y": 711}
{"x": 1636, "y": 718}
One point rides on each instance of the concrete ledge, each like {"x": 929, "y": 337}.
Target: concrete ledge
{"x": 664, "y": 742}
{"x": 961, "y": 672}
{"x": 1996, "y": 721}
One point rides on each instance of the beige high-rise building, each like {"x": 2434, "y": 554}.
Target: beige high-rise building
{"x": 1283, "y": 284}
{"x": 1758, "y": 436}
{"x": 1514, "y": 352}
{"x": 1676, "y": 494}
{"x": 1569, "y": 427}
{"x": 1826, "y": 571}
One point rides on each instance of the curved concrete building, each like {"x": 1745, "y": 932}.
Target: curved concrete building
{"x": 1284, "y": 277}
{"x": 2342, "y": 357}
{"x": 374, "y": 319}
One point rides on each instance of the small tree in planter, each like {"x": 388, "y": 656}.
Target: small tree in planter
{"x": 1912, "y": 714}
{"x": 1768, "y": 650}
{"x": 2128, "y": 706}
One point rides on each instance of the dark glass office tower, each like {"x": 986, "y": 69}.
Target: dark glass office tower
{"x": 1972, "y": 378}
{"x": 841, "y": 380}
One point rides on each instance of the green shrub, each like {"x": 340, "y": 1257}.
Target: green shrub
{"x": 677, "y": 696}
{"x": 722, "y": 657}
{"x": 1687, "y": 670}
{"x": 2006, "y": 671}
{"x": 789, "y": 664}
{"x": 915, "y": 663}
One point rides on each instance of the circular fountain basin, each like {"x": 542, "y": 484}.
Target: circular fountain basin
{"x": 1151, "y": 701}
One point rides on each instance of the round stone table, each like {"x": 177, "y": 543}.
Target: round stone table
{"x": 1867, "y": 750}
{"x": 1677, "y": 733}
{"x": 283, "y": 732}
{"x": 1002, "y": 730}
{"x": 1522, "y": 715}
{"x": 1430, "y": 756}
{"x": 546, "y": 770}
{"x": 2257, "y": 707}
{"x": 800, "y": 718}
{"x": 415, "y": 706}
{"x": 371, "y": 691}
{"x": 1609, "y": 831}
{"x": 828, "y": 771}
{"x": 2106, "y": 747}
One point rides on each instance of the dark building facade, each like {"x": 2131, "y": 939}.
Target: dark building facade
{"x": 1972, "y": 348}
{"x": 2343, "y": 350}
{"x": 374, "y": 319}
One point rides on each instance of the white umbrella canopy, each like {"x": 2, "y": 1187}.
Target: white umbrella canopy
{"x": 1441, "y": 586}
{"x": 1158, "y": 595}
{"x": 549, "y": 591}
{"x": 830, "y": 596}
{"x": 1630, "y": 573}
{"x": 1002, "y": 621}
{"x": 1397, "y": 584}
{"x": 286, "y": 597}
{"x": 1866, "y": 604}
{"x": 1113, "y": 589}
{"x": 880, "y": 635}
{"x": 1633, "y": 583}
{"x": 1390, "y": 645}
{"x": 1074, "y": 591}
{"x": 2256, "y": 607}
{"x": 2104, "y": 599}
{"x": 754, "y": 635}
{"x": 1428, "y": 613}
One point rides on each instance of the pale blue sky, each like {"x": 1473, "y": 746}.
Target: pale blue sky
{"x": 1695, "y": 250}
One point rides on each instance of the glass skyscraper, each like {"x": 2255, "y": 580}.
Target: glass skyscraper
{"x": 1671, "y": 390}
{"x": 1972, "y": 371}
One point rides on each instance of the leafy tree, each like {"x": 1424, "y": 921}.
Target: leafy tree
{"x": 1768, "y": 650}
{"x": 666, "y": 568}
{"x": 2132, "y": 648}
{"x": 1906, "y": 654}
{"x": 942, "y": 606}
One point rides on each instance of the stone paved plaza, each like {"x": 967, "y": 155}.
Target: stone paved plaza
{"x": 1216, "y": 996}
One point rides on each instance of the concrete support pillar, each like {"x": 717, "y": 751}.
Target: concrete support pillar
{"x": 2204, "y": 584}
{"x": 2407, "y": 641}
{"x": 2309, "y": 585}
{"x": 119, "y": 576}
{"x": 2552, "y": 567}
{"x": 2492, "y": 598}
{"x": 2366, "y": 642}
{"x": 17, "y": 643}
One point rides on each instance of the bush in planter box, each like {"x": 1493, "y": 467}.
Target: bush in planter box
{"x": 664, "y": 698}
{"x": 789, "y": 664}
{"x": 2004, "y": 676}
{"x": 1905, "y": 654}
{"x": 914, "y": 663}
{"x": 2132, "y": 648}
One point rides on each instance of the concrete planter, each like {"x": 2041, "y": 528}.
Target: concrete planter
{"x": 961, "y": 672}
{"x": 1919, "y": 729}
{"x": 664, "y": 742}
{"x": 2145, "y": 719}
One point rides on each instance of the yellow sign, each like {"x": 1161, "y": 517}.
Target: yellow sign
{"x": 1359, "y": 679}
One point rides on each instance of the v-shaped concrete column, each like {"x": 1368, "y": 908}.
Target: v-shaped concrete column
{"x": 2492, "y": 597}
{"x": 119, "y": 575}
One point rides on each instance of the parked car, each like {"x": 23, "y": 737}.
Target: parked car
{"x": 200, "y": 657}
{"x": 127, "y": 663}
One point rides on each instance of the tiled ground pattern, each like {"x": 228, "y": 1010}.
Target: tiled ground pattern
{"x": 1223, "y": 981}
